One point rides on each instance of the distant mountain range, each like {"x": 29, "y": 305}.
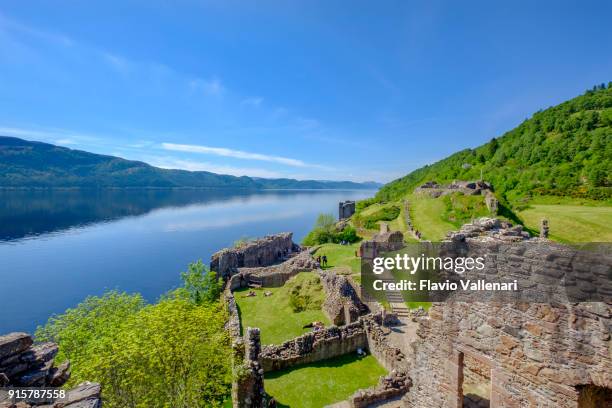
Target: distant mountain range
{"x": 27, "y": 164}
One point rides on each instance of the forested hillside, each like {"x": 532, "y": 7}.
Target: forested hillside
{"x": 565, "y": 150}
{"x": 42, "y": 165}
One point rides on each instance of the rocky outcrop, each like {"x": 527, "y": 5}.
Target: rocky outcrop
{"x": 261, "y": 252}
{"x": 342, "y": 304}
{"x": 24, "y": 364}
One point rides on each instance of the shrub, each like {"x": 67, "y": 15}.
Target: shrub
{"x": 386, "y": 213}
{"x": 306, "y": 294}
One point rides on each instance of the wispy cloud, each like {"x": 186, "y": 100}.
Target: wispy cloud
{"x": 212, "y": 86}
{"x": 237, "y": 154}
{"x": 116, "y": 62}
{"x": 7, "y": 23}
{"x": 192, "y": 165}
{"x": 256, "y": 102}
{"x": 58, "y": 136}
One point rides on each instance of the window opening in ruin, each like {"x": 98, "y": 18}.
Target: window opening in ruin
{"x": 476, "y": 382}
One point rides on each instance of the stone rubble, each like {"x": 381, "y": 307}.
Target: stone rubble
{"x": 25, "y": 364}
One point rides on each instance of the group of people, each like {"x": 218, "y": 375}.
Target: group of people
{"x": 322, "y": 260}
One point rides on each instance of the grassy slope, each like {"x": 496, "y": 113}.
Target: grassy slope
{"x": 426, "y": 214}
{"x": 340, "y": 255}
{"x": 572, "y": 223}
{"x": 273, "y": 315}
{"x": 318, "y": 384}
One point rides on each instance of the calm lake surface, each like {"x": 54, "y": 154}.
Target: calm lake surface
{"x": 57, "y": 247}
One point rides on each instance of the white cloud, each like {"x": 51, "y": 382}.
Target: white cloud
{"x": 212, "y": 86}
{"x": 256, "y": 102}
{"x": 192, "y": 165}
{"x": 238, "y": 154}
{"x": 65, "y": 142}
{"x": 116, "y": 62}
{"x": 58, "y": 136}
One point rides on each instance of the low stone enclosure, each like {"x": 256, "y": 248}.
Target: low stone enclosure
{"x": 23, "y": 364}
{"x": 434, "y": 189}
{"x": 354, "y": 328}
{"x": 533, "y": 352}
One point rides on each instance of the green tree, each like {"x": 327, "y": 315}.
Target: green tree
{"x": 201, "y": 284}
{"x": 325, "y": 221}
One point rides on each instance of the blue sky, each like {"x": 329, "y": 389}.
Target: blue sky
{"x": 315, "y": 89}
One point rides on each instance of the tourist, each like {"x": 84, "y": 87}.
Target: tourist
{"x": 319, "y": 260}
{"x": 324, "y": 260}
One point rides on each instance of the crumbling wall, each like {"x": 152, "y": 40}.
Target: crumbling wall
{"x": 539, "y": 347}
{"x": 261, "y": 252}
{"x": 23, "y": 364}
{"x": 248, "y": 385}
{"x": 389, "y": 387}
{"x": 314, "y": 346}
{"x": 342, "y": 304}
{"x": 276, "y": 275}
{"x": 390, "y": 357}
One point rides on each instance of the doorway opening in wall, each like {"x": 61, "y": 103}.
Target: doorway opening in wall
{"x": 592, "y": 396}
{"x": 476, "y": 384}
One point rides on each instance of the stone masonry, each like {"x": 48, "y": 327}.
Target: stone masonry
{"x": 342, "y": 304}
{"x": 539, "y": 350}
{"x": 346, "y": 209}
{"x": 261, "y": 252}
{"x": 23, "y": 364}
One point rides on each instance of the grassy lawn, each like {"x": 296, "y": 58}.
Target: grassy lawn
{"x": 318, "y": 384}
{"x": 273, "y": 315}
{"x": 426, "y": 214}
{"x": 572, "y": 223}
{"x": 341, "y": 255}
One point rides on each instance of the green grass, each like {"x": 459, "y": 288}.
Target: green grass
{"x": 273, "y": 315}
{"x": 571, "y": 223}
{"x": 318, "y": 384}
{"x": 427, "y": 217}
{"x": 340, "y": 255}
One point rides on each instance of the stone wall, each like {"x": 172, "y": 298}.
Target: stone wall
{"x": 261, "y": 252}
{"x": 24, "y": 364}
{"x": 342, "y": 304}
{"x": 390, "y": 357}
{"x": 248, "y": 385}
{"x": 527, "y": 352}
{"x": 275, "y": 275}
{"x": 346, "y": 209}
{"x": 314, "y": 346}
{"x": 391, "y": 386}
{"x": 435, "y": 190}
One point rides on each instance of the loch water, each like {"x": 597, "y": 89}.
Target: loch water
{"x": 57, "y": 247}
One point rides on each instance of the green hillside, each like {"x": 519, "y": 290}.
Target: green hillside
{"x": 42, "y": 165}
{"x": 565, "y": 150}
